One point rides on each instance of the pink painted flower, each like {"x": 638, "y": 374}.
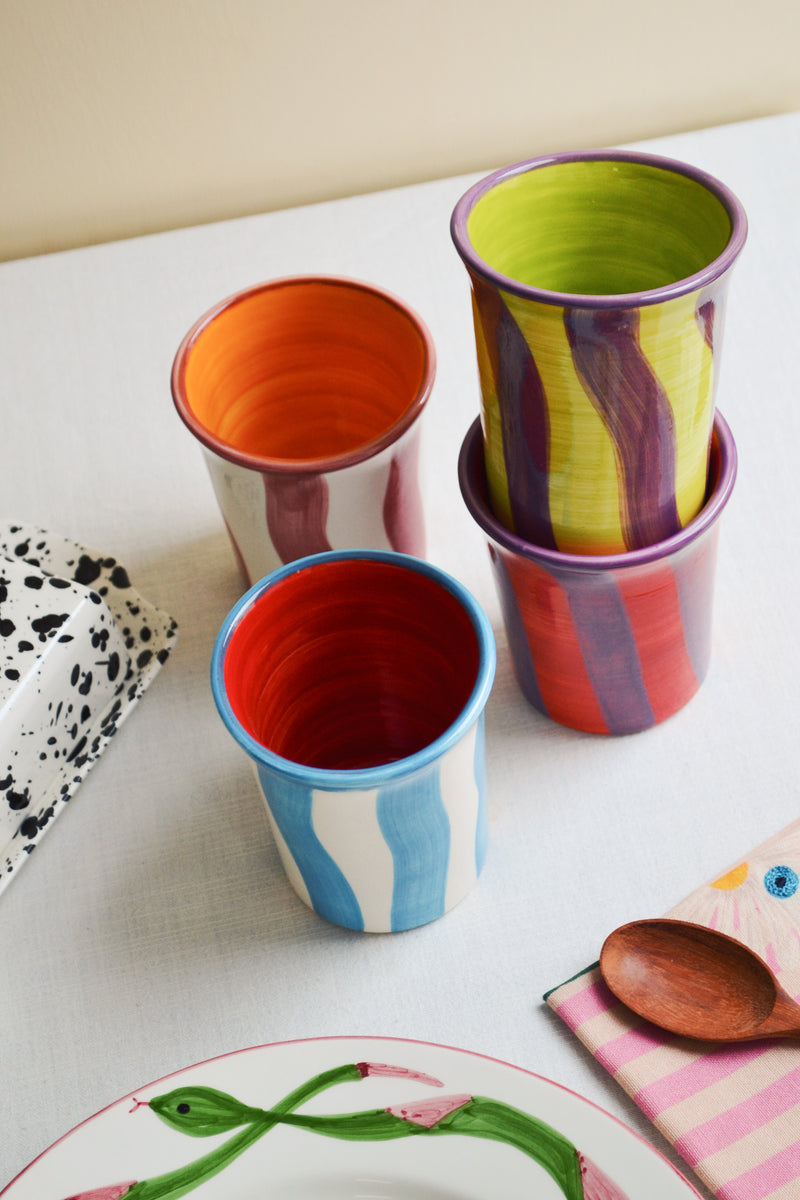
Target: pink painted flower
{"x": 113, "y": 1192}
{"x": 428, "y": 1113}
{"x": 596, "y": 1184}
{"x": 371, "y": 1068}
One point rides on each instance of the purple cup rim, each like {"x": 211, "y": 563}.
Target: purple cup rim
{"x": 690, "y": 283}
{"x": 474, "y": 490}
{"x": 301, "y": 466}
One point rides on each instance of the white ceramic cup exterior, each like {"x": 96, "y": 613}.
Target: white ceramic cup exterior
{"x": 372, "y": 504}
{"x": 389, "y": 847}
{"x": 397, "y": 881}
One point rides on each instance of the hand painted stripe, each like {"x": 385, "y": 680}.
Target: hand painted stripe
{"x": 516, "y": 634}
{"x": 463, "y": 801}
{"x": 524, "y": 416}
{"x": 636, "y": 411}
{"x": 705, "y": 316}
{"x": 610, "y": 652}
{"x": 565, "y": 686}
{"x": 403, "y": 517}
{"x": 346, "y": 824}
{"x": 330, "y": 893}
{"x": 297, "y": 513}
{"x": 414, "y": 823}
{"x": 651, "y": 599}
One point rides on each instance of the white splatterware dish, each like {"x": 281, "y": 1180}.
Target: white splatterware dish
{"x": 351, "y": 1118}
{"x": 78, "y": 648}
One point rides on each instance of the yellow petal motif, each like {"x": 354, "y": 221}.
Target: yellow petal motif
{"x": 733, "y": 879}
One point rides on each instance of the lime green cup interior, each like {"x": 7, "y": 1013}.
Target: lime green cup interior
{"x": 599, "y": 282}
{"x": 600, "y": 227}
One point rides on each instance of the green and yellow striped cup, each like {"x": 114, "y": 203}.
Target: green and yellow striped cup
{"x": 599, "y": 281}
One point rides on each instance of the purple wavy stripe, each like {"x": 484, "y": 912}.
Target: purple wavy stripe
{"x": 609, "y": 649}
{"x": 516, "y": 635}
{"x": 704, "y": 315}
{"x": 636, "y": 412}
{"x": 297, "y": 513}
{"x": 694, "y": 571}
{"x": 403, "y": 517}
{"x": 523, "y": 414}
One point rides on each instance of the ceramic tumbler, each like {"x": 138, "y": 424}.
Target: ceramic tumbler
{"x": 356, "y": 682}
{"x": 599, "y": 282}
{"x": 305, "y": 395}
{"x": 609, "y": 644}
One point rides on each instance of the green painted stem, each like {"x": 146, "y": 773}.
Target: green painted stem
{"x": 206, "y": 1112}
{"x": 478, "y": 1117}
{"x": 203, "y": 1112}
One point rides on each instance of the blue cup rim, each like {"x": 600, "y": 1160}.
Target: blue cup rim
{"x": 475, "y": 493}
{"x": 367, "y": 777}
{"x": 459, "y": 232}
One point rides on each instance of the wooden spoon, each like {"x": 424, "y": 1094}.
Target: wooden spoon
{"x": 696, "y": 982}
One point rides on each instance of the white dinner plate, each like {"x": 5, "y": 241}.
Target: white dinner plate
{"x": 171, "y": 1135}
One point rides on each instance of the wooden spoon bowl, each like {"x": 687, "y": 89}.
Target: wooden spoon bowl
{"x": 696, "y": 982}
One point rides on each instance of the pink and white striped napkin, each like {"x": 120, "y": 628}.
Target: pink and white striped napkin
{"x": 731, "y": 1111}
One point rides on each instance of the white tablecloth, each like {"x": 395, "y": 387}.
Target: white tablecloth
{"x": 153, "y": 926}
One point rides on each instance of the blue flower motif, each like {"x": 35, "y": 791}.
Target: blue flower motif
{"x": 781, "y": 882}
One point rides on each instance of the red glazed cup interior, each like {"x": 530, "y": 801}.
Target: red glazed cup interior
{"x": 316, "y": 370}
{"x": 350, "y": 663}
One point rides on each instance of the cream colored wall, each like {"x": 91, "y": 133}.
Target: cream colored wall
{"x": 120, "y": 117}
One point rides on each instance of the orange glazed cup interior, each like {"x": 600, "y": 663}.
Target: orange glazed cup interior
{"x": 310, "y": 370}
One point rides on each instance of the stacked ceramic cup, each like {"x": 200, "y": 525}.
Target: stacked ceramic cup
{"x": 600, "y": 467}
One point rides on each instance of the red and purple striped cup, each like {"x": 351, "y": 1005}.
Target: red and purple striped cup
{"x": 611, "y": 643}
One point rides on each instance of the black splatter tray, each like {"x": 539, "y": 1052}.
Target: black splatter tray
{"x": 78, "y": 648}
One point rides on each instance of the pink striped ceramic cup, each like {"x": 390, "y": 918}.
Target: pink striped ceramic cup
{"x": 305, "y": 394}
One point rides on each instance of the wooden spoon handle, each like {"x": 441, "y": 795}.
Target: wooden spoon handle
{"x": 783, "y": 1021}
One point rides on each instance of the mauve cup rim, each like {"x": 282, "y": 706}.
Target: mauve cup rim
{"x": 681, "y": 287}
{"x": 356, "y": 779}
{"x": 474, "y": 490}
{"x": 302, "y": 466}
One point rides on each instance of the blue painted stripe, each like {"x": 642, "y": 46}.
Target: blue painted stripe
{"x": 482, "y": 815}
{"x": 610, "y": 653}
{"x": 415, "y": 825}
{"x": 331, "y": 895}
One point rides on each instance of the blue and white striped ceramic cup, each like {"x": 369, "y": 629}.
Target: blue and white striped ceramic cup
{"x": 356, "y": 681}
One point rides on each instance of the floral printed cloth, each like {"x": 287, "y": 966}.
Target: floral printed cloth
{"x": 731, "y": 1111}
